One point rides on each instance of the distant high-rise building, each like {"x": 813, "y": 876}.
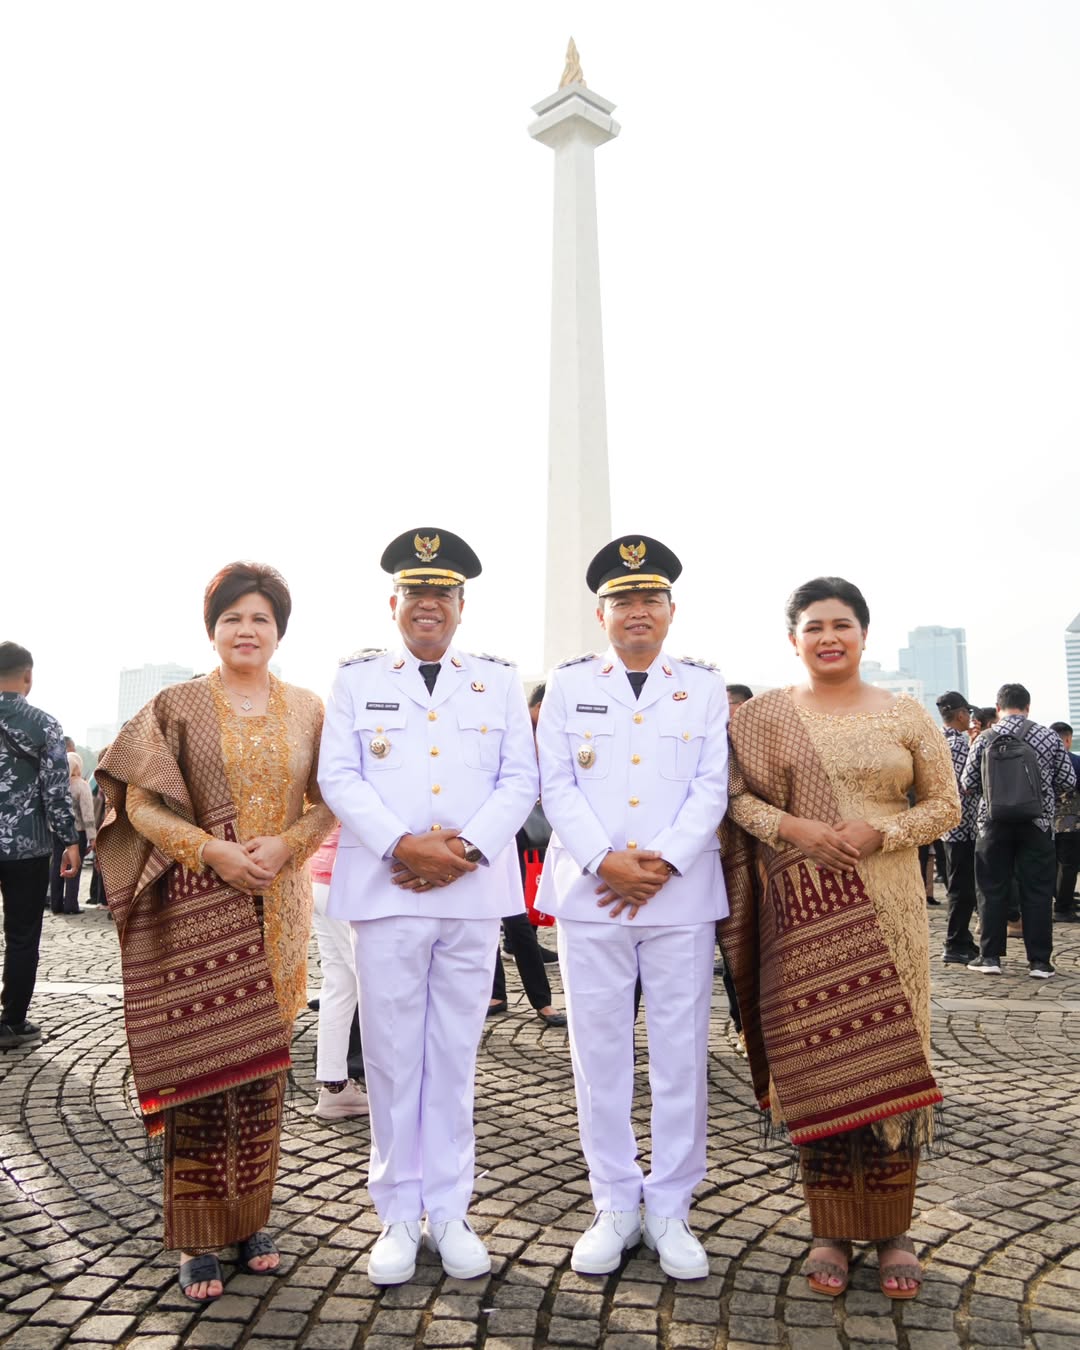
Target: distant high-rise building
{"x": 1072, "y": 669}
{"x": 895, "y": 681}
{"x": 938, "y": 657}
{"x": 139, "y": 685}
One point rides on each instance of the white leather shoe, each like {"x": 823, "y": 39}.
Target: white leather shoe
{"x": 393, "y": 1258}
{"x": 681, "y": 1255}
{"x": 461, "y": 1252}
{"x": 599, "y": 1249}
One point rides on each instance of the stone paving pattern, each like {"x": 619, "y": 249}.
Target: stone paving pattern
{"x": 997, "y": 1220}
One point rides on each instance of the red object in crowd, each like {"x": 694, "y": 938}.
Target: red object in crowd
{"x": 533, "y": 868}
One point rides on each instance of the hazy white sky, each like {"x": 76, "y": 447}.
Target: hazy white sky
{"x": 274, "y": 283}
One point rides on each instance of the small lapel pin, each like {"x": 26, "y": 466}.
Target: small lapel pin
{"x": 477, "y": 686}
{"x": 586, "y": 756}
{"x": 679, "y": 695}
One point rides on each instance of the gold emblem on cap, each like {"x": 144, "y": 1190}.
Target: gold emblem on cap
{"x": 633, "y": 555}
{"x": 426, "y": 549}
{"x": 679, "y": 695}
{"x": 477, "y": 686}
{"x": 586, "y": 756}
{"x": 380, "y": 746}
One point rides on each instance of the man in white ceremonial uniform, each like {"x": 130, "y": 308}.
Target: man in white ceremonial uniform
{"x": 427, "y": 759}
{"x": 633, "y": 770}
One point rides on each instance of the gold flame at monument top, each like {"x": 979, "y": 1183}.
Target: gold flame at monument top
{"x": 572, "y": 73}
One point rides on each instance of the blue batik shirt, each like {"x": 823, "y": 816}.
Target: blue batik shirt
{"x": 964, "y": 833}
{"x": 35, "y": 792}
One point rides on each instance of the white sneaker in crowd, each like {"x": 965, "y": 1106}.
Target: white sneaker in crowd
{"x": 350, "y": 1101}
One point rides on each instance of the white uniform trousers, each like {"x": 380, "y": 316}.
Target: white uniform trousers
{"x": 337, "y": 998}
{"x": 424, "y": 990}
{"x": 600, "y": 964}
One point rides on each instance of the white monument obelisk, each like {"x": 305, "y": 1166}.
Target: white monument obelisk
{"x": 573, "y": 122}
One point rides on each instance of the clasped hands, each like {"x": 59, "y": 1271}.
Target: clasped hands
{"x": 249, "y": 867}
{"x": 631, "y": 877}
{"x": 424, "y": 861}
{"x": 837, "y": 846}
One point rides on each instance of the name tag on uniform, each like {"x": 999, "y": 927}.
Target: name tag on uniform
{"x": 382, "y": 707}
{"x": 592, "y": 707}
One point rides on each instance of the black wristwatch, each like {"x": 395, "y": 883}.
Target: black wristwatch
{"x": 472, "y": 853}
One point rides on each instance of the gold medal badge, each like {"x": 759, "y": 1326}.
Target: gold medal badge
{"x": 380, "y": 746}
{"x": 586, "y": 756}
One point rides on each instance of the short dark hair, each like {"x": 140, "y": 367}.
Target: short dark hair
{"x": 14, "y": 659}
{"x": 241, "y": 578}
{"x": 537, "y": 695}
{"x": 1062, "y": 728}
{"x": 987, "y": 716}
{"x": 1013, "y": 696}
{"x": 741, "y": 691}
{"x": 826, "y": 588}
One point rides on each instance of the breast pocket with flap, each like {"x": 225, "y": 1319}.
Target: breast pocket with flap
{"x": 382, "y": 735}
{"x": 481, "y": 732}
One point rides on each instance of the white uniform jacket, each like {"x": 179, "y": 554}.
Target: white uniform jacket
{"x": 618, "y": 772}
{"x": 460, "y": 758}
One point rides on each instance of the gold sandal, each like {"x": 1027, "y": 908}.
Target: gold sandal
{"x": 813, "y": 1267}
{"x": 898, "y": 1270}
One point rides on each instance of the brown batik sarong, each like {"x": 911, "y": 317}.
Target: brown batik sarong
{"x": 221, "y": 1157}
{"x": 857, "y": 1189}
{"x": 827, "y": 1024}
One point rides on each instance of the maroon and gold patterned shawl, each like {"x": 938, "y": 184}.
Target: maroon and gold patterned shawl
{"x": 824, "y": 1013}
{"x": 199, "y": 1002}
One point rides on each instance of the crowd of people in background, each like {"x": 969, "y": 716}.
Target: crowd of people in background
{"x": 666, "y": 812}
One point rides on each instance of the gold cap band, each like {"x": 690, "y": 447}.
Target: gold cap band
{"x": 634, "y": 581}
{"x": 428, "y": 576}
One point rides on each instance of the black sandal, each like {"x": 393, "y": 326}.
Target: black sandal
{"x": 259, "y": 1244}
{"x": 200, "y": 1270}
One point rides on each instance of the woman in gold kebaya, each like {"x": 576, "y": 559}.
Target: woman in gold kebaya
{"x": 214, "y": 810}
{"x": 828, "y": 938}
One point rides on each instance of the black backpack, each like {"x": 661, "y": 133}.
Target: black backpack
{"x": 1011, "y": 782}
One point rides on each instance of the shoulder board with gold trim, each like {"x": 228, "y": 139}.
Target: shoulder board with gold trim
{"x": 576, "y": 660}
{"x": 486, "y": 656}
{"x": 701, "y": 665}
{"x": 364, "y": 654}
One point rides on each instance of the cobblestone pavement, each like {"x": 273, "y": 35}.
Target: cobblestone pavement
{"x": 998, "y": 1219}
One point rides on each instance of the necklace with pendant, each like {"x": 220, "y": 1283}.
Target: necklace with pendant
{"x": 246, "y": 704}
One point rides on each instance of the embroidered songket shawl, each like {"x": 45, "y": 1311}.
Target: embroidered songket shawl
{"x": 825, "y": 1016}
{"x": 199, "y": 1002}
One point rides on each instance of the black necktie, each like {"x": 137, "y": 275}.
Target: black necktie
{"x": 430, "y": 673}
{"x": 636, "y": 677}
